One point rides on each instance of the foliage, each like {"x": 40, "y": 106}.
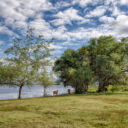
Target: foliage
{"x": 74, "y": 69}
{"x": 7, "y": 74}
{"x": 118, "y": 88}
{"x": 104, "y": 59}
{"x": 107, "y": 60}
{"x": 27, "y": 54}
{"x": 45, "y": 78}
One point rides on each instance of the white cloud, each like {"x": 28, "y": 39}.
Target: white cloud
{"x": 84, "y": 34}
{"x": 69, "y": 43}
{"x": 41, "y": 27}
{"x": 39, "y": 24}
{"x": 98, "y": 11}
{"x": 62, "y": 4}
{"x": 84, "y": 21}
{"x": 106, "y": 19}
{"x": 111, "y": 26}
{"x": 113, "y": 7}
{"x": 123, "y": 2}
{"x": 8, "y": 11}
{"x": 58, "y": 22}
{"x": 58, "y": 51}
{"x": 52, "y": 46}
{"x": 121, "y": 25}
{"x": 66, "y": 17}
{"x": 5, "y": 30}
{"x": 37, "y": 5}
{"x": 117, "y": 27}
{"x": 84, "y": 3}
{"x": 1, "y": 42}
{"x": 116, "y": 11}
{"x": 113, "y": 2}
{"x": 60, "y": 33}
{"x": 17, "y": 12}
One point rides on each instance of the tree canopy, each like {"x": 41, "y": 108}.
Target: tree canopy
{"x": 74, "y": 70}
{"x": 104, "y": 61}
{"x": 107, "y": 57}
{"x": 27, "y": 55}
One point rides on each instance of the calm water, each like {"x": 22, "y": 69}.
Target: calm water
{"x": 34, "y": 91}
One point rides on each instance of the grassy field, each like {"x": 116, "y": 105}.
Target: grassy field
{"x": 75, "y": 111}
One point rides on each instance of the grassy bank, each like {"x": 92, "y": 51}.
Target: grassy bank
{"x": 76, "y": 111}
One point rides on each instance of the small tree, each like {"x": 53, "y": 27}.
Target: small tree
{"x": 45, "y": 79}
{"x": 27, "y": 54}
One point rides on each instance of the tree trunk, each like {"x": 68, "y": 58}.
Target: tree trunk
{"x": 80, "y": 89}
{"x": 102, "y": 86}
{"x": 45, "y": 93}
{"x": 20, "y": 90}
{"x": 77, "y": 89}
{"x": 85, "y": 88}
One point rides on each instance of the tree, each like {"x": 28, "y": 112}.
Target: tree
{"x": 46, "y": 79}
{"x": 80, "y": 79}
{"x": 104, "y": 59}
{"x": 107, "y": 58}
{"x": 74, "y": 69}
{"x": 26, "y": 55}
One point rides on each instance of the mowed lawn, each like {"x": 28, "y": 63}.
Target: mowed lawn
{"x": 76, "y": 111}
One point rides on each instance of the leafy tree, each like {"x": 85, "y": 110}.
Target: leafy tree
{"x": 46, "y": 79}
{"x": 104, "y": 59}
{"x": 108, "y": 58}
{"x": 80, "y": 79}
{"x": 74, "y": 70}
{"x": 26, "y": 55}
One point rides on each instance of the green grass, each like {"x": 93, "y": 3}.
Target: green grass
{"x": 75, "y": 111}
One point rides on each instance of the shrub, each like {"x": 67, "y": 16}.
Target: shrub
{"x": 118, "y": 88}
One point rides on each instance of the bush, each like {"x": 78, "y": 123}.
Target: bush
{"x": 118, "y": 88}
{"x": 93, "y": 88}
{"x": 125, "y": 88}
{"x": 115, "y": 88}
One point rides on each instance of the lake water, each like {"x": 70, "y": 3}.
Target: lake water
{"x": 33, "y": 91}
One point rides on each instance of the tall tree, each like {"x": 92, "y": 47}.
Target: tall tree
{"x": 27, "y": 54}
{"x": 107, "y": 57}
{"x": 104, "y": 59}
{"x": 74, "y": 70}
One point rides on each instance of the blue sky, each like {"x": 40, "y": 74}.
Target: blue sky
{"x": 71, "y": 22}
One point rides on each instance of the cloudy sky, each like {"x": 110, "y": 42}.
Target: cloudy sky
{"x": 71, "y": 22}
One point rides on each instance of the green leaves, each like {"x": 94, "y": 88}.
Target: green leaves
{"x": 45, "y": 78}
{"x": 107, "y": 57}
{"x": 29, "y": 54}
{"x": 73, "y": 67}
{"x": 103, "y": 60}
